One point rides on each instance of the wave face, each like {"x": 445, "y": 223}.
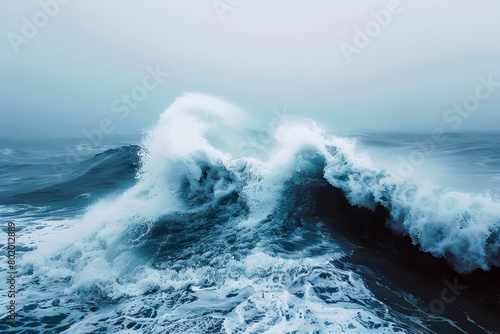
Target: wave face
{"x": 86, "y": 179}
{"x": 209, "y": 241}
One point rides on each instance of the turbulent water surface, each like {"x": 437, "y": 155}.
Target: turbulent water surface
{"x": 206, "y": 227}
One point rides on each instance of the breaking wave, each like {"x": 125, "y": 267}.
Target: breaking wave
{"x": 210, "y": 240}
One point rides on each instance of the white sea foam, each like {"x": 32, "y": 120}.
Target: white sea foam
{"x": 269, "y": 293}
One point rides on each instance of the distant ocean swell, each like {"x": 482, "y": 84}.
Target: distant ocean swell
{"x": 206, "y": 241}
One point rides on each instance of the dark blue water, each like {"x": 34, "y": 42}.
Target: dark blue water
{"x": 148, "y": 237}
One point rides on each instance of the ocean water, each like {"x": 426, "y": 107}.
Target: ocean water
{"x": 203, "y": 226}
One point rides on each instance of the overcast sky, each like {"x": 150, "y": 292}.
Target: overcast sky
{"x": 69, "y": 73}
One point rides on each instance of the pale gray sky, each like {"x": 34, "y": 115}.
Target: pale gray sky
{"x": 264, "y": 55}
